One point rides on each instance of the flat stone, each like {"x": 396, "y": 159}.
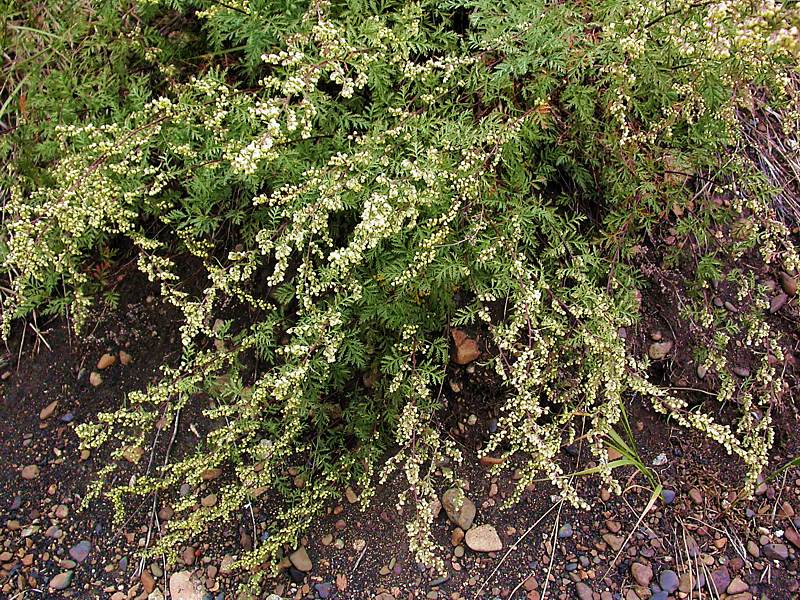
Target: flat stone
{"x": 484, "y": 538}
{"x": 61, "y": 581}
{"x": 466, "y": 348}
{"x": 775, "y": 551}
{"x": 642, "y": 574}
{"x": 464, "y": 515}
{"x": 584, "y": 591}
{"x": 106, "y": 361}
{"x": 210, "y": 474}
{"x": 48, "y": 410}
{"x": 80, "y": 551}
{"x": 95, "y": 379}
{"x": 148, "y": 581}
{"x": 659, "y": 350}
{"x": 669, "y": 581}
{"x": 183, "y": 586}
{"x": 788, "y": 283}
{"x": 30, "y": 472}
{"x": 737, "y": 586}
{"x": 565, "y": 531}
{"x": 209, "y": 501}
{"x": 301, "y": 560}
{"x": 792, "y": 537}
{"x": 187, "y": 556}
{"x": 614, "y": 541}
{"x": 720, "y": 579}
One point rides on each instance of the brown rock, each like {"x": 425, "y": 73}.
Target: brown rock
{"x": 464, "y": 515}
{"x": 642, "y": 574}
{"x": 659, "y": 350}
{"x": 584, "y": 591}
{"x": 737, "y": 586}
{"x": 614, "y": 541}
{"x": 457, "y": 536}
{"x": 484, "y": 538}
{"x": 148, "y": 582}
{"x": 301, "y": 560}
{"x": 792, "y": 537}
{"x": 788, "y": 283}
{"x": 124, "y": 358}
{"x": 210, "y": 474}
{"x": 30, "y": 472}
{"x": 209, "y": 501}
{"x": 48, "y": 410}
{"x": 95, "y": 379}
{"x": 106, "y": 361}
{"x": 466, "y": 348}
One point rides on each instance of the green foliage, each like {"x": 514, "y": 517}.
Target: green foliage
{"x": 356, "y": 177}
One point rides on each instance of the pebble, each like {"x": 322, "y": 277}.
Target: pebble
{"x": 484, "y": 538}
{"x": 187, "y": 556}
{"x": 584, "y": 591}
{"x": 659, "y": 350}
{"x": 301, "y": 560}
{"x": 148, "y": 582}
{"x": 614, "y": 541}
{"x": 721, "y": 579}
{"x": 696, "y": 496}
{"x": 61, "y": 581}
{"x": 642, "y": 574}
{"x": 209, "y": 501}
{"x": 737, "y": 586}
{"x": 106, "y": 361}
{"x": 95, "y": 379}
{"x": 565, "y": 531}
{"x": 80, "y": 551}
{"x": 775, "y": 551}
{"x": 30, "y": 472}
{"x": 778, "y": 302}
{"x": 668, "y": 580}
{"x": 788, "y": 283}
{"x": 466, "y": 348}
{"x": 668, "y": 496}
{"x": 465, "y": 514}
{"x": 183, "y": 586}
{"x": 48, "y": 410}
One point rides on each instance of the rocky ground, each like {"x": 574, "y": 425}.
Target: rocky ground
{"x": 698, "y": 540}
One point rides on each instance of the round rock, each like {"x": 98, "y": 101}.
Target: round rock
{"x": 464, "y": 515}
{"x": 484, "y": 538}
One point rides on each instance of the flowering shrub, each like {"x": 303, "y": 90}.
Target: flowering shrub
{"x": 355, "y": 182}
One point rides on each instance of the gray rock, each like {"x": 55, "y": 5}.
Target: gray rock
{"x": 659, "y": 350}
{"x": 775, "y": 551}
{"x": 61, "y": 581}
{"x": 464, "y": 515}
{"x": 565, "y": 531}
{"x": 80, "y": 551}
{"x": 301, "y": 560}
{"x": 584, "y": 591}
{"x": 669, "y": 581}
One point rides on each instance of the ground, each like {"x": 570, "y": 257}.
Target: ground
{"x": 698, "y": 533}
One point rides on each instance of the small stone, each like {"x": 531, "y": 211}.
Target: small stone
{"x": 133, "y": 454}
{"x": 642, "y": 574}
{"x": 165, "y": 513}
{"x": 187, "y": 556}
{"x": 788, "y": 283}
{"x": 323, "y": 590}
{"x": 660, "y": 460}
{"x": 351, "y": 495}
{"x": 778, "y": 302}
{"x": 95, "y": 379}
{"x": 48, "y": 410}
{"x": 464, "y": 515}
{"x": 775, "y": 551}
{"x": 792, "y": 537}
{"x": 702, "y": 371}
{"x": 668, "y": 496}
{"x": 457, "y": 536}
{"x": 737, "y": 586}
{"x": 301, "y": 560}
{"x": 752, "y": 549}
{"x": 209, "y": 501}
{"x": 466, "y": 348}
{"x": 720, "y": 579}
{"x": 614, "y": 541}
{"x": 613, "y": 526}
{"x": 226, "y": 566}
{"x": 106, "y": 361}
{"x": 182, "y": 586}
{"x": 124, "y": 358}
{"x": 696, "y": 496}
{"x": 80, "y": 551}
{"x": 742, "y": 372}
{"x": 30, "y": 472}
{"x": 483, "y": 538}
{"x": 210, "y": 474}
{"x": 668, "y": 580}
{"x": 584, "y": 591}
{"x": 565, "y": 531}
{"x": 659, "y": 350}
{"x": 148, "y": 582}
{"x": 61, "y": 581}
